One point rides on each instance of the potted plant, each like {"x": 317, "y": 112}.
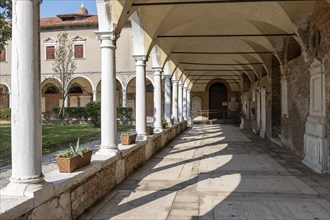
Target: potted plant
{"x": 164, "y": 124}
{"x": 150, "y": 130}
{"x": 127, "y": 138}
{"x": 75, "y": 158}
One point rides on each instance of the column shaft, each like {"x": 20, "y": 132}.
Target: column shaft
{"x": 124, "y": 98}
{"x": 26, "y": 106}
{"x": 157, "y": 99}
{"x": 108, "y": 95}
{"x": 180, "y": 101}
{"x": 95, "y": 95}
{"x": 188, "y": 105}
{"x": 167, "y": 102}
{"x": 140, "y": 100}
{"x": 175, "y": 101}
{"x": 184, "y": 103}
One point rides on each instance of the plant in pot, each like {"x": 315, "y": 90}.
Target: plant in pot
{"x": 165, "y": 124}
{"x": 150, "y": 130}
{"x": 75, "y": 158}
{"x": 127, "y": 138}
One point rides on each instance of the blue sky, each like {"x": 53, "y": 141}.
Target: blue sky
{"x": 51, "y": 8}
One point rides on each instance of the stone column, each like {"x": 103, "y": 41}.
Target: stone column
{"x": 167, "y": 97}
{"x": 175, "y": 101}
{"x": 184, "y": 114}
{"x": 315, "y": 138}
{"x": 140, "y": 103}
{"x": 157, "y": 99}
{"x": 180, "y": 100}
{"x": 26, "y": 107}
{"x": 188, "y": 107}
{"x": 94, "y": 95}
{"x": 124, "y": 98}
{"x": 108, "y": 95}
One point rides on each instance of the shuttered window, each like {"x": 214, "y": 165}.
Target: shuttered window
{"x": 50, "y": 52}
{"x": 78, "y": 51}
{"x": 3, "y": 55}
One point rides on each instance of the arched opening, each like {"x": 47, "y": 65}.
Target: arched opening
{"x": 80, "y": 92}
{"x": 218, "y": 101}
{"x": 50, "y": 96}
{"x": 119, "y": 93}
{"x": 131, "y": 90}
{"x": 4, "y": 97}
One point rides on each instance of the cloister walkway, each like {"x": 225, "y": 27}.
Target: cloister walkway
{"x": 218, "y": 172}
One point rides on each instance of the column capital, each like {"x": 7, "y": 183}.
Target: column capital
{"x": 175, "y": 81}
{"x": 142, "y": 58}
{"x": 157, "y": 70}
{"x": 180, "y": 84}
{"x": 108, "y": 39}
{"x": 167, "y": 76}
{"x": 185, "y": 88}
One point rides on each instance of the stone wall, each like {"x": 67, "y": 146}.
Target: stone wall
{"x": 293, "y": 125}
{"x": 67, "y": 196}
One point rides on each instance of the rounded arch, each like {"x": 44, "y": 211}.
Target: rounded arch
{"x": 84, "y": 77}
{"x": 54, "y": 80}
{"x": 7, "y": 85}
{"x": 117, "y": 79}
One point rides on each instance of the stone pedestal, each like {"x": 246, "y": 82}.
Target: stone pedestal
{"x": 315, "y": 138}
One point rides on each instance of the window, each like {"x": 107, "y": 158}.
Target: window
{"x": 50, "y": 52}
{"x": 3, "y": 55}
{"x": 78, "y": 45}
{"x": 79, "y": 51}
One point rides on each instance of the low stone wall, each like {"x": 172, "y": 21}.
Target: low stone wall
{"x": 66, "y": 196}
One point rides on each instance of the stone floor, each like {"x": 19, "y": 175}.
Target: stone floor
{"x": 219, "y": 172}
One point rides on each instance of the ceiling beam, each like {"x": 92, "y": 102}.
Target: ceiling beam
{"x": 160, "y": 3}
{"x": 221, "y": 64}
{"x": 221, "y": 53}
{"x": 226, "y": 35}
{"x": 213, "y": 75}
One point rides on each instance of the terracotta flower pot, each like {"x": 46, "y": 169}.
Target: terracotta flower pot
{"x": 127, "y": 139}
{"x": 150, "y": 131}
{"x": 70, "y": 164}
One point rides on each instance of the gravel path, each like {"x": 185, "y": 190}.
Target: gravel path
{"x": 48, "y": 163}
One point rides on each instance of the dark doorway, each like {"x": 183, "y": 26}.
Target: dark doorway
{"x": 218, "y": 101}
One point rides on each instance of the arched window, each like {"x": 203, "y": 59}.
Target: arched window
{"x": 76, "y": 89}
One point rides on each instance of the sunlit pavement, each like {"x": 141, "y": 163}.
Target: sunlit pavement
{"x": 219, "y": 172}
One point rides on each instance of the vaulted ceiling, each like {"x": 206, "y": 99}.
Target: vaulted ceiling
{"x": 211, "y": 39}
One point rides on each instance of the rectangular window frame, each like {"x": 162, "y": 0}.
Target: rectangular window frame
{"x": 6, "y": 55}
{"x": 79, "y": 43}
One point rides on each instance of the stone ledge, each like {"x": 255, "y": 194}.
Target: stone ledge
{"x": 67, "y": 195}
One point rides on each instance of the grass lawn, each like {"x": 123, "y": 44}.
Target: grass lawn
{"x": 55, "y": 137}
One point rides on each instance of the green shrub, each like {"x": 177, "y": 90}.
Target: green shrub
{"x": 72, "y": 112}
{"x": 93, "y": 110}
{"x": 5, "y": 114}
{"x": 125, "y": 113}
{"x": 165, "y": 124}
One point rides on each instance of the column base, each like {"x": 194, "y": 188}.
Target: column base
{"x": 141, "y": 137}
{"x": 315, "y": 146}
{"x": 107, "y": 151}
{"x": 22, "y": 189}
{"x": 158, "y": 130}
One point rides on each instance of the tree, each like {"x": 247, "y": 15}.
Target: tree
{"x": 5, "y": 28}
{"x": 64, "y": 67}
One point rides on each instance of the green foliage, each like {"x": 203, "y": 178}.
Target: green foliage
{"x": 93, "y": 110}
{"x": 125, "y": 113}
{"x": 78, "y": 150}
{"x": 165, "y": 124}
{"x": 72, "y": 112}
{"x": 5, "y": 15}
{"x": 150, "y": 126}
{"x": 126, "y": 134}
{"x": 5, "y": 114}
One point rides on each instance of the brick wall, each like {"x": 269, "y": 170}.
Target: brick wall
{"x": 293, "y": 126}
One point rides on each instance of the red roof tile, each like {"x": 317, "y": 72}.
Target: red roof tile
{"x": 58, "y": 22}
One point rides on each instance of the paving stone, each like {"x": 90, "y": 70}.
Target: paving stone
{"x": 220, "y": 172}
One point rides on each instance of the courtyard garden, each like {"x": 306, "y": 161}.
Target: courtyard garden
{"x": 54, "y": 137}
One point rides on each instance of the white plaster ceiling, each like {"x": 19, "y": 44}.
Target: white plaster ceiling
{"x": 215, "y": 27}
